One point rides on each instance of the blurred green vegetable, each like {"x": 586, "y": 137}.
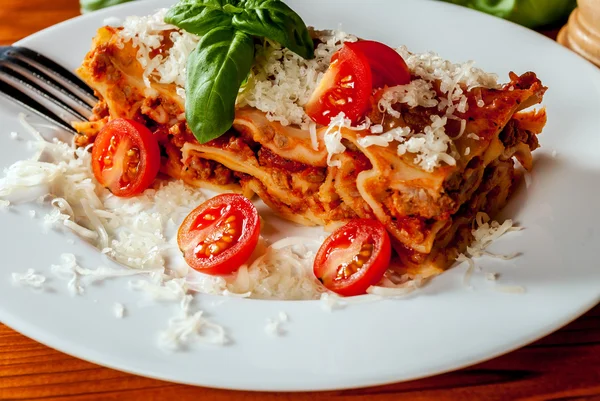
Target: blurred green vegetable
{"x": 531, "y": 13}
{"x": 93, "y": 5}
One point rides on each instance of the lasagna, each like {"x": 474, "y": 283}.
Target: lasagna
{"x": 429, "y": 156}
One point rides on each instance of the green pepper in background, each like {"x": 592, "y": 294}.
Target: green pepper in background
{"x": 531, "y": 13}
{"x": 93, "y": 5}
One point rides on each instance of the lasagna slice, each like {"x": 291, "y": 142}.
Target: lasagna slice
{"x": 429, "y": 156}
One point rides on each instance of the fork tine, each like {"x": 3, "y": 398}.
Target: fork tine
{"x": 48, "y": 83}
{"x": 52, "y": 71}
{"x": 21, "y": 80}
{"x": 19, "y": 97}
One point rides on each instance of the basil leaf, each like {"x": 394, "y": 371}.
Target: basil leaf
{"x": 273, "y": 19}
{"x": 215, "y": 71}
{"x": 198, "y": 16}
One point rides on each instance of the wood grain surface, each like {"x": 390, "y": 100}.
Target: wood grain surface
{"x": 562, "y": 366}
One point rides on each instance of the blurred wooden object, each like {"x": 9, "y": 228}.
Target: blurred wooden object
{"x": 19, "y": 18}
{"x": 582, "y": 32}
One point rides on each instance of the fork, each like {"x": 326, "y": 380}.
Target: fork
{"x": 43, "y": 87}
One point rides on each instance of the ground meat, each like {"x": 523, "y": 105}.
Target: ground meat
{"x": 208, "y": 170}
{"x": 417, "y": 201}
{"x": 280, "y": 169}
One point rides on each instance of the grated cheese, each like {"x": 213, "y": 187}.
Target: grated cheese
{"x": 147, "y": 33}
{"x": 333, "y": 136}
{"x": 273, "y": 326}
{"x": 283, "y": 271}
{"x": 14, "y": 135}
{"x": 330, "y": 301}
{"x": 398, "y": 134}
{"x": 281, "y": 82}
{"x": 188, "y": 328}
{"x": 78, "y": 277}
{"x": 394, "y": 291}
{"x": 487, "y": 232}
{"x": 484, "y": 234}
{"x": 430, "y": 146}
{"x": 452, "y": 77}
{"x": 29, "y": 279}
{"x": 470, "y": 268}
{"x": 418, "y": 92}
{"x": 4, "y": 204}
{"x": 511, "y": 289}
{"x": 119, "y": 310}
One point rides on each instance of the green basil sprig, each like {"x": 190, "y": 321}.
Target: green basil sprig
{"x": 225, "y": 54}
{"x": 220, "y": 64}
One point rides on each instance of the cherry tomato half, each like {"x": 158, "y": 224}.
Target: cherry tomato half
{"x": 219, "y": 235}
{"x": 125, "y": 157}
{"x": 387, "y": 66}
{"x": 345, "y": 87}
{"x": 354, "y": 257}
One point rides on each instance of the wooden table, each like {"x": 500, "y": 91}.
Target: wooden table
{"x": 563, "y": 366}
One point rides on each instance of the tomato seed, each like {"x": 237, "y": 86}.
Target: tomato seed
{"x": 346, "y": 270}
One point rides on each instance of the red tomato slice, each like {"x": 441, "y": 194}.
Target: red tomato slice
{"x": 387, "y": 66}
{"x": 354, "y": 257}
{"x": 345, "y": 87}
{"x": 219, "y": 235}
{"x": 125, "y": 157}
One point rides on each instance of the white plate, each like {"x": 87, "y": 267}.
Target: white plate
{"x": 445, "y": 327}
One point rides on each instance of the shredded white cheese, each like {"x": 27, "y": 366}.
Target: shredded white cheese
{"x": 430, "y": 146}
{"x": 418, "y": 92}
{"x": 470, "y": 268}
{"x": 330, "y": 301}
{"x": 14, "y": 135}
{"x": 29, "y": 279}
{"x": 333, "y": 136}
{"x": 119, "y": 310}
{"x": 391, "y": 291}
{"x": 273, "y": 325}
{"x": 188, "y": 328}
{"x": 283, "y": 271}
{"x": 78, "y": 277}
{"x": 487, "y": 232}
{"x": 484, "y": 234}
{"x": 281, "y": 82}
{"x": 511, "y": 289}
{"x": 4, "y": 204}
{"x": 148, "y": 33}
